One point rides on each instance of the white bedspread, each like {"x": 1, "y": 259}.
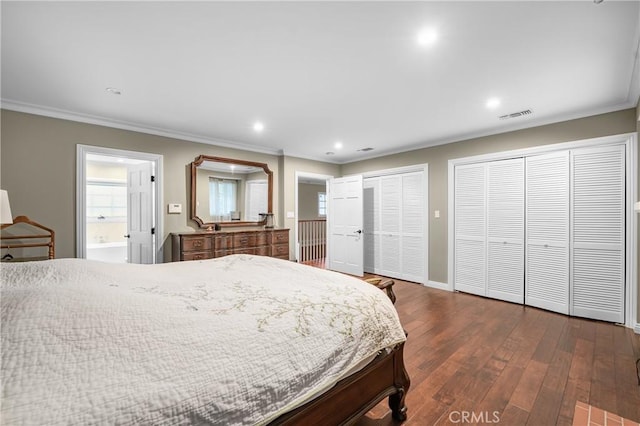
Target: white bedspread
{"x": 235, "y": 340}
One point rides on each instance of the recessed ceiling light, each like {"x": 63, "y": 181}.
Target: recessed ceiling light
{"x": 493, "y": 103}
{"x": 114, "y": 91}
{"x": 258, "y": 126}
{"x": 427, "y": 36}
{"x": 337, "y": 145}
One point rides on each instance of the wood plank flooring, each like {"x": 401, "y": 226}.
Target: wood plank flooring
{"x": 508, "y": 364}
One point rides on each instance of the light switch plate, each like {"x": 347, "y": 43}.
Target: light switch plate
{"x": 175, "y": 208}
{"x": 291, "y": 215}
{"x": 436, "y": 214}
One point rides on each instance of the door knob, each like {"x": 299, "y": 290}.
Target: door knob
{"x": 359, "y": 231}
{"x": 128, "y": 236}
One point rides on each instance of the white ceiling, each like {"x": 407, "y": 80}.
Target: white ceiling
{"x": 318, "y": 72}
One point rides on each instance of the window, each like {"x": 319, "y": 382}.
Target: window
{"x": 322, "y": 204}
{"x": 223, "y": 195}
{"x": 106, "y": 201}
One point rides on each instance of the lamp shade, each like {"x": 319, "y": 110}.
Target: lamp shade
{"x": 5, "y": 208}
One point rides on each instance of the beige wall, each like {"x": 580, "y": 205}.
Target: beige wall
{"x": 38, "y": 169}
{"x": 438, "y": 157}
{"x": 308, "y": 200}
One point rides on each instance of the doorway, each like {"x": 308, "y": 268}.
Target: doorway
{"x": 311, "y": 218}
{"x": 118, "y": 205}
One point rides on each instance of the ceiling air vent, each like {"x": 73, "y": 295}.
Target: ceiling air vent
{"x": 516, "y": 114}
{"x": 365, "y": 149}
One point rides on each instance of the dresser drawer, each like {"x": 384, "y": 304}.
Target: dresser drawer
{"x": 250, "y": 250}
{"x": 223, "y": 242}
{"x": 244, "y": 240}
{"x": 279, "y": 237}
{"x": 196, "y": 243}
{"x": 280, "y": 250}
{"x": 263, "y": 251}
{"x": 197, "y": 255}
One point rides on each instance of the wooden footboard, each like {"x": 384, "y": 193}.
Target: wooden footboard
{"x": 353, "y": 396}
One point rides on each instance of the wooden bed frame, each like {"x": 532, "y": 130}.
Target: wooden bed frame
{"x": 353, "y": 396}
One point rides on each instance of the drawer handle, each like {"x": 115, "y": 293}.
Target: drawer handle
{"x": 197, "y": 243}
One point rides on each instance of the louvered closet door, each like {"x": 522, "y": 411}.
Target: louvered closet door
{"x": 547, "y": 232}
{"x": 413, "y": 242}
{"x": 371, "y": 220}
{"x": 470, "y": 229}
{"x": 505, "y": 230}
{"x": 598, "y": 203}
{"x": 390, "y": 208}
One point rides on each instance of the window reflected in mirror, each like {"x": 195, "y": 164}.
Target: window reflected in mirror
{"x": 230, "y": 191}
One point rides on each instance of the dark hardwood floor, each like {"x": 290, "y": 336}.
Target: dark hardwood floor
{"x": 508, "y": 364}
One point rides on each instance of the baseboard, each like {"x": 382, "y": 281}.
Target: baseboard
{"x": 438, "y": 285}
{"x": 636, "y": 328}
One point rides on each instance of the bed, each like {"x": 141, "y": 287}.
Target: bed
{"x": 235, "y": 340}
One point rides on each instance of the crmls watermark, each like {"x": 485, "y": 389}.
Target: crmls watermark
{"x": 474, "y": 417}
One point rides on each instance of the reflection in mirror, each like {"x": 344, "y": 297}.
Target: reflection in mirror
{"x": 229, "y": 192}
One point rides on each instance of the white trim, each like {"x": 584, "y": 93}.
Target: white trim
{"x": 438, "y": 285}
{"x": 81, "y": 227}
{"x": 134, "y": 127}
{"x": 299, "y": 174}
{"x": 397, "y": 170}
{"x": 630, "y": 141}
{"x": 632, "y": 223}
{"x": 636, "y": 328}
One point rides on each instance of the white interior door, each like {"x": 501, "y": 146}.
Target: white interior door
{"x": 598, "y": 237}
{"x": 344, "y": 225}
{"x": 140, "y": 222}
{"x": 547, "y": 232}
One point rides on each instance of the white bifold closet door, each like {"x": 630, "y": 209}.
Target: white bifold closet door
{"x": 505, "y": 230}
{"x": 470, "y": 221}
{"x": 371, "y": 223}
{"x": 598, "y": 237}
{"x": 390, "y": 240}
{"x": 489, "y": 229}
{"x": 394, "y": 226}
{"x": 412, "y": 224}
{"x": 547, "y": 231}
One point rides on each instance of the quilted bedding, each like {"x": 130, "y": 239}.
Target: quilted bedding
{"x": 235, "y": 340}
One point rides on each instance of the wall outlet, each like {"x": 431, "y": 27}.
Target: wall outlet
{"x": 291, "y": 215}
{"x": 436, "y": 214}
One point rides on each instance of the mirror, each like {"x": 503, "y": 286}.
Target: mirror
{"x": 228, "y": 192}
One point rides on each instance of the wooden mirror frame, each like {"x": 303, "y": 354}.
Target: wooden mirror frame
{"x": 192, "y": 207}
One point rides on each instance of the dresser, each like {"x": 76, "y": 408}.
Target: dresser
{"x": 210, "y": 244}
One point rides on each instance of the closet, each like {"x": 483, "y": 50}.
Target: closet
{"x": 546, "y": 230}
{"x": 395, "y": 214}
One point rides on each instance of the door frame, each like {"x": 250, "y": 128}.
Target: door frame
{"x": 81, "y": 206}
{"x": 298, "y": 175}
{"x": 630, "y": 141}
